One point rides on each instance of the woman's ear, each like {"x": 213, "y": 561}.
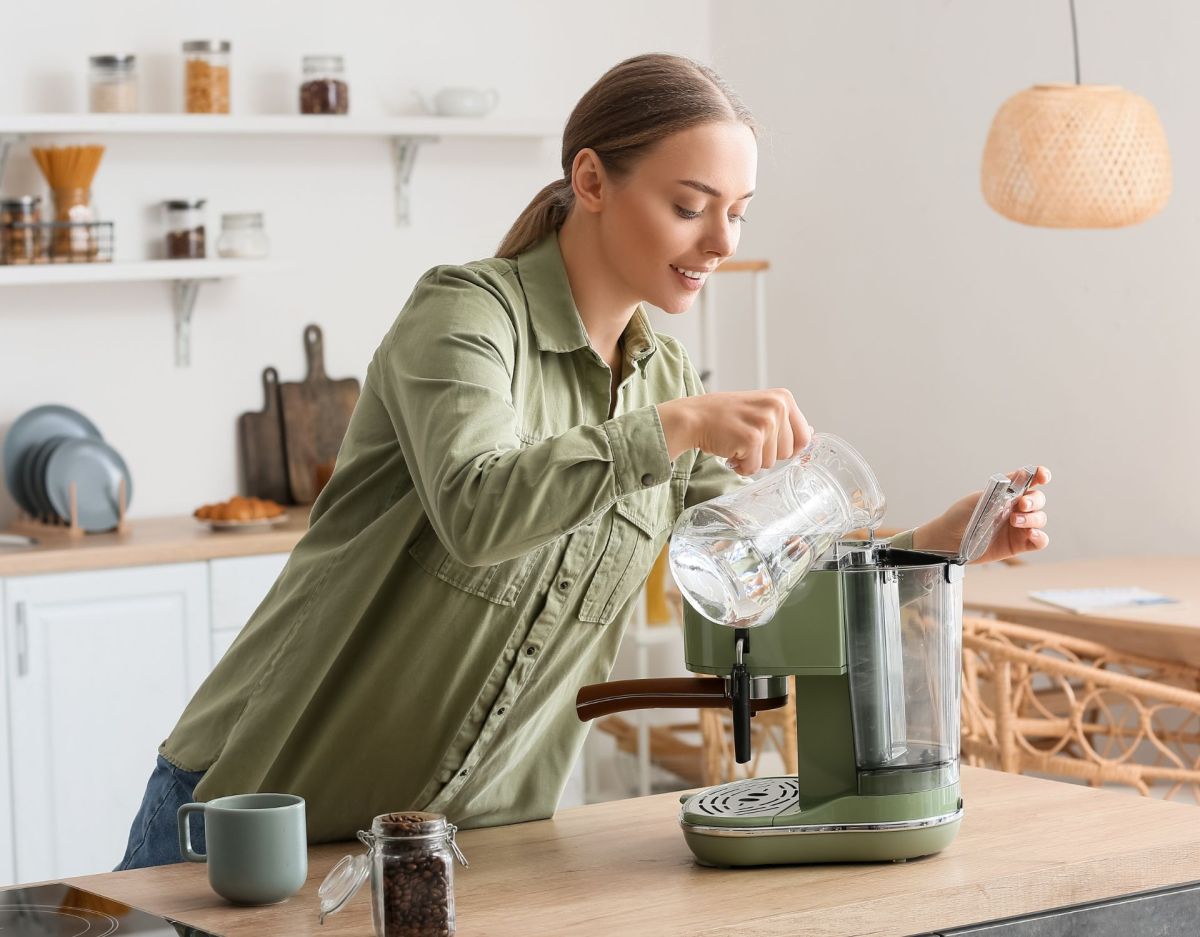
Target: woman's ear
{"x": 589, "y": 180}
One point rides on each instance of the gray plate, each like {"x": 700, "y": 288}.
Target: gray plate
{"x": 33, "y": 427}
{"x": 97, "y": 470}
{"x": 34, "y": 476}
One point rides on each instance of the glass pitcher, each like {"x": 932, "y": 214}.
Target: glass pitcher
{"x": 736, "y": 557}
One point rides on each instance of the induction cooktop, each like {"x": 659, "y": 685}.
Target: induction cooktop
{"x": 67, "y": 911}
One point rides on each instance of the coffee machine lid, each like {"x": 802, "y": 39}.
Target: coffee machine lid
{"x": 992, "y": 511}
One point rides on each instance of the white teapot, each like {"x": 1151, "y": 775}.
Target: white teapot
{"x": 461, "y": 102}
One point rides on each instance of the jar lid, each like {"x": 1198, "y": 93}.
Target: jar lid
{"x": 241, "y": 219}
{"x": 183, "y": 204}
{"x": 343, "y": 882}
{"x": 20, "y": 201}
{"x": 114, "y": 60}
{"x": 207, "y": 45}
{"x": 320, "y": 62}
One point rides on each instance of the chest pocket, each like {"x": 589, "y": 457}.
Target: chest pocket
{"x": 501, "y": 584}
{"x": 640, "y": 526}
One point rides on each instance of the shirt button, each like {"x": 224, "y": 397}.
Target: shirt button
{"x": 647, "y": 479}
{"x": 500, "y": 711}
{"x": 530, "y": 651}
{"x": 565, "y": 585}
{"x": 462, "y": 774}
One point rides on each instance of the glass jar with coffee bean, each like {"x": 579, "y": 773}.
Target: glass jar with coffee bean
{"x": 185, "y": 228}
{"x": 323, "y": 89}
{"x": 21, "y": 230}
{"x": 410, "y": 862}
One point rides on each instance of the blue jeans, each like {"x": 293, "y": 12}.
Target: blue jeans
{"x": 154, "y": 836}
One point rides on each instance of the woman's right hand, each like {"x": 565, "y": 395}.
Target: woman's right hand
{"x": 750, "y": 429}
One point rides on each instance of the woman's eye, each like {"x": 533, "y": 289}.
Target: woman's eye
{"x": 684, "y": 213}
{"x": 739, "y": 219}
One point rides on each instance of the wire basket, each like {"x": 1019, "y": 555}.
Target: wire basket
{"x": 56, "y": 242}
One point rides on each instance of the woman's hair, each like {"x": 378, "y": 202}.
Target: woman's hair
{"x": 633, "y": 106}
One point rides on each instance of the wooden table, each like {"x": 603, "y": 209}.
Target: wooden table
{"x": 622, "y": 868}
{"x": 1169, "y": 632}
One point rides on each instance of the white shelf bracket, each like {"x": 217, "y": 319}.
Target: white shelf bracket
{"x": 404, "y": 156}
{"x": 183, "y": 300}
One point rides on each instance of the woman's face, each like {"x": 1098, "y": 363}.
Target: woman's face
{"x": 679, "y": 212}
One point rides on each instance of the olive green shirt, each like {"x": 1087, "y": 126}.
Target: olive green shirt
{"x": 471, "y": 563}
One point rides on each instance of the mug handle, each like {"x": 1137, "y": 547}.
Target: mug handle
{"x": 185, "y": 833}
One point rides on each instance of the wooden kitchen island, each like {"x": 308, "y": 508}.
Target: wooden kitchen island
{"x": 622, "y": 868}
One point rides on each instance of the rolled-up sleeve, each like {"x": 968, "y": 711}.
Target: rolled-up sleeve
{"x": 445, "y": 376}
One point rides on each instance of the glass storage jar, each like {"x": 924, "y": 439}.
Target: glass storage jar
{"x": 323, "y": 89}
{"x": 112, "y": 84}
{"x": 206, "y": 75}
{"x": 20, "y": 231}
{"x": 242, "y": 235}
{"x": 410, "y": 862}
{"x": 185, "y": 228}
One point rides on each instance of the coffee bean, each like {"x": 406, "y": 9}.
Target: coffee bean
{"x": 324, "y": 96}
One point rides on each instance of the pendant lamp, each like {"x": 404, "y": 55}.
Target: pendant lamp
{"x": 1076, "y": 156}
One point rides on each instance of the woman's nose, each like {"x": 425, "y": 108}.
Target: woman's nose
{"x": 720, "y": 239}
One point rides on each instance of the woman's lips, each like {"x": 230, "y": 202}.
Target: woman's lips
{"x": 687, "y": 282}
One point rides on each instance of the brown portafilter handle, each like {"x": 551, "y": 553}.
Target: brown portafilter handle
{"x": 602, "y": 699}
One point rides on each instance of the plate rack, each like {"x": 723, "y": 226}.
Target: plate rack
{"x": 29, "y": 524}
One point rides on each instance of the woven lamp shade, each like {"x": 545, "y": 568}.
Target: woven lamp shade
{"x": 1076, "y": 156}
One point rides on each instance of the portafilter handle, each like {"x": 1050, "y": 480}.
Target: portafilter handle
{"x": 601, "y": 699}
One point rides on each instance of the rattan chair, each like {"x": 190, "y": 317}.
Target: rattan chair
{"x": 1034, "y": 701}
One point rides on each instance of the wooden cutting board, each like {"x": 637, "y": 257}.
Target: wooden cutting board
{"x": 261, "y": 438}
{"x": 316, "y": 412}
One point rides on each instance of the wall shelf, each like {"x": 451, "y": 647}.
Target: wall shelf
{"x": 184, "y": 276}
{"x": 407, "y": 134}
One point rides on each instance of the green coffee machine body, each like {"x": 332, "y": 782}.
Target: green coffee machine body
{"x": 872, "y": 636}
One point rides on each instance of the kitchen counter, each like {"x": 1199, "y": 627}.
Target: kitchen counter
{"x": 149, "y": 541}
{"x": 1026, "y": 845}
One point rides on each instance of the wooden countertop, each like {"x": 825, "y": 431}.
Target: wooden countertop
{"x": 1025, "y": 845}
{"x": 149, "y": 541}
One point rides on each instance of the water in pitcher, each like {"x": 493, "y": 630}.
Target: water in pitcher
{"x": 736, "y": 558}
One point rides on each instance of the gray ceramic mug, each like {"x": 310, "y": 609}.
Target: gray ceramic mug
{"x": 257, "y": 845}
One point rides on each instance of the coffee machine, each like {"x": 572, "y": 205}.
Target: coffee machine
{"x": 872, "y": 636}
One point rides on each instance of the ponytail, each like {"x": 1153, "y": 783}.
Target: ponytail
{"x": 545, "y": 214}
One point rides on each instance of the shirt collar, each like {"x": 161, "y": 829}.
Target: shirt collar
{"x": 556, "y": 323}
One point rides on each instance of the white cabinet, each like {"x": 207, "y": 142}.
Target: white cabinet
{"x": 237, "y": 586}
{"x": 98, "y": 667}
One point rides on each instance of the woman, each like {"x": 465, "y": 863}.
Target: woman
{"x": 522, "y": 445}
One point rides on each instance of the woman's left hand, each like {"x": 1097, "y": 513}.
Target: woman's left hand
{"x": 1023, "y": 534}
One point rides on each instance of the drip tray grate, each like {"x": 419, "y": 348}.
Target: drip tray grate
{"x": 755, "y": 797}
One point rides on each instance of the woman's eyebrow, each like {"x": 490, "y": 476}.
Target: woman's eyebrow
{"x": 708, "y": 189}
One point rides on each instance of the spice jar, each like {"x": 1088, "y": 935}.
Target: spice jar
{"x": 324, "y": 89}
{"x": 20, "y": 231}
{"x": 185, "y": 228}
{"x": 112, "y": 84}
{"x": 206, "y": 75}
{"x": 410, "y": 862}
{"x": 242, "y": 235}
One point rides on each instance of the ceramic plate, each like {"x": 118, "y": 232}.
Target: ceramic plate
{"x": 96, "y": 468}
{"x": 33, "y": 427}
{"x": 34, "y": 476}
{"x": 257, "y": 523}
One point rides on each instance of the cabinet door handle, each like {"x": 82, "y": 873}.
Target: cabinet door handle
{"x": 22, "y": 637}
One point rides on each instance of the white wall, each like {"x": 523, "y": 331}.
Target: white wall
{"x": 108, "y": 350}
{"x": 945, "y": 341}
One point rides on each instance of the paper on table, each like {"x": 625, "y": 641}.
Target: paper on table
{"x": 1081, "y": 600}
